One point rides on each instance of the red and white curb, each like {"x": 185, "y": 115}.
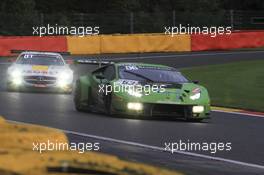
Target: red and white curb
{"x": 238, "y": 111}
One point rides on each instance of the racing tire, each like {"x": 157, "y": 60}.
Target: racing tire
{"x": 77, "y": 96}
{"x": 195, "y": 120}
{"x": 108, "y": 104}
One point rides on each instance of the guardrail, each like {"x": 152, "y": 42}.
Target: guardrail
{"x": 132, "y": 43}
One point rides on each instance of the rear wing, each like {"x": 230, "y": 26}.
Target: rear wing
{"x": 20, "y": 51}
{"x": 93, "y": 62}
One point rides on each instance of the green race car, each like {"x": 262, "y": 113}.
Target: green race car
{"x": 142, "y": 90}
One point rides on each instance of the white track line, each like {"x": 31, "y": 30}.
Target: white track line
{"x": 154, "y": 147}
{"x": 240, "y": 113}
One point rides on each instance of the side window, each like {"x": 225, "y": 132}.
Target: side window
{"x": 109, "y": 72}
{"x": 98, "y": 72}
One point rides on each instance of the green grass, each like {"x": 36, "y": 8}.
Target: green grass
{"x": 239, "y": 85}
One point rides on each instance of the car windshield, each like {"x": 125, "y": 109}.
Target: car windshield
{"x": 155, "y": 74}
{"x": 40, "y": 59}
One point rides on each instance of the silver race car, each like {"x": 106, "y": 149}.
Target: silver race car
{"x": 40, "y": 70}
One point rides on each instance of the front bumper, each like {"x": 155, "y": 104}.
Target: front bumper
{"x": 163, "y": 109}
{"x": 39, "y": 83}
{"x": 171, "y": 110}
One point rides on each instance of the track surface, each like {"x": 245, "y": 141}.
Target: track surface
{"x": 57, "y": 110}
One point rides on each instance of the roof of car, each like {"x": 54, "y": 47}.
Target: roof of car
{"x": 40, "y": 53}
{"x": 141, "y": 64}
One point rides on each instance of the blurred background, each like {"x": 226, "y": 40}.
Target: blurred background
{"x": 126, "y": 16}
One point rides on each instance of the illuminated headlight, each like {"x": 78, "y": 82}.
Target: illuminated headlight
{"x": 16, "y": 77}
{"x": 17, "y": 81}
{"x": 62, "y": 83}
{"x": 65, "y": 75}
{"x": 133, "y": 92}
{"x": 196, "y": 94}
{"x": 64, "y": 78}
{"x": 198, "y": 109}
{"x": 16, "y": 73}
{"x": 135, "y": 106}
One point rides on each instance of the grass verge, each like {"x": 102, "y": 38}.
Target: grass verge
{"x": 238, "y": 85}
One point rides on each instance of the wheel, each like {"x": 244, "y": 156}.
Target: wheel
{"x": 79, "y": 106}
{"x": 108, "y": 104}
{"x": 195, "y": 120}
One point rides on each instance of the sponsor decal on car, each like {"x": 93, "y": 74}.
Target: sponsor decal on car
{"x": 40, "y": 68}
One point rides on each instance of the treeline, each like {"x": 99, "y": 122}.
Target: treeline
{"x": 104, "y": 6}
{"x": 124, "y": 16}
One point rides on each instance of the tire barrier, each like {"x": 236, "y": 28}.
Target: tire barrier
{"x": 132, "y": 43}
{"x": 135, "y": 43}
{"x": 235, "y": 40}
{"x": 51, "y": 43}
{"x": 83, "y": 45}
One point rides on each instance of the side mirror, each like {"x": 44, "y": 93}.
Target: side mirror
{"x": 195, "y": 81}
{"x": 100, "y": 77}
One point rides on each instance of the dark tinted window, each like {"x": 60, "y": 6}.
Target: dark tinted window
{"x": 40, "y": 59}
{"x": 151, "y": 73}
{"x": 109, "y": 72}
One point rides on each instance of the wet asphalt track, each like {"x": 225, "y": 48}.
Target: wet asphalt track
{"x": 57, "y": 110}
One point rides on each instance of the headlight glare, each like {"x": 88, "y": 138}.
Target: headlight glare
{"x": 198, "y": 109}
{"x": 16, "y": 73}
{"x": 17, "y": 81}
{"x": 62, "y": 83}
{"x": 65, "y": 75}
{"x": 135, "y": 106}
{"x": 64, "y": 78}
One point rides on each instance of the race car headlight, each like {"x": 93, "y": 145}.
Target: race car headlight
{"x": 16, "y": 73}
{"x": 196, "y": 94}
{"x": 135, "y": 106}
{"x": 64, "y": 78}
{"x": 17, "y": 81}
{"x": 62, "y": 83}
{"x": 65, "y": 75}
{"x": 198, "y": 109}
{"x": 133, "y": 92}
{"x": 16, "y": 77}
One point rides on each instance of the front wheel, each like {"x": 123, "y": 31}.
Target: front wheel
{"x": 79, "y": 106}
{"x": 195, "y": 120}
{"x": 108, "y": 104}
